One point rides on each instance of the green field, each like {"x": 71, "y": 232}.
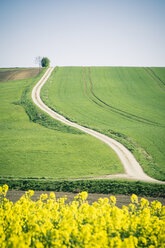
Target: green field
{"x": 34, "y": 145}
{"x": 125, "y": 103}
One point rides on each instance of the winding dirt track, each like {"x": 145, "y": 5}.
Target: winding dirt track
{"x": 132, "y": 168}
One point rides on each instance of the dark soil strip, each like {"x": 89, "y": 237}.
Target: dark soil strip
{"x": 14, "y": 195}
{"x": 15, "y": 74}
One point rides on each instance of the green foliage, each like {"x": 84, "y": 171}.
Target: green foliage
{"x": 126, "y": 104}
{"x": 45, "y": 62}
{"x": 91, "y": 186}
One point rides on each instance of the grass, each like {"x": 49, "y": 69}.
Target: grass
{"x": 124, "y": 103}
{"x": 33, "y": 145}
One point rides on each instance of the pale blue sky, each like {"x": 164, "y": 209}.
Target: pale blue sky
{"x": 82, "y": 32}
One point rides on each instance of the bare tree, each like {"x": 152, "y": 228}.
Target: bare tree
{"x": 38, "y": 61}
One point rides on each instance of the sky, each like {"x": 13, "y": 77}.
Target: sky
{"x": 82, "y": 32}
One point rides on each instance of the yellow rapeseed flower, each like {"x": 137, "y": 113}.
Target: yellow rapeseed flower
{"x": 53, "y": 223}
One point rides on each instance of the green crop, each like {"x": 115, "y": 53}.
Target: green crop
{"x": 124, "y": 103}
{"x": 35, "y": 145}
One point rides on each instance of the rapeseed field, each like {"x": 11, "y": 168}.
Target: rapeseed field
{"x": 49, "y": 222}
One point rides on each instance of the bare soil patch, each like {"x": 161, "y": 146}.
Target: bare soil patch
{"x": 15, "y": 74}
{"x": 14, "y": 195}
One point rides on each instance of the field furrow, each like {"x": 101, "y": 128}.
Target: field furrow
{"x": 112, "y": 108}
{"x": 155, "y": 78}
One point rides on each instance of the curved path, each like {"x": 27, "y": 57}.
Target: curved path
{"x": 132, "y": 168}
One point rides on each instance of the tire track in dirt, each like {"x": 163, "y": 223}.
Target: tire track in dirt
{"x": 132, "y": 168}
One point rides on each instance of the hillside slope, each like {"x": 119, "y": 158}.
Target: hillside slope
{"x": 35, "y": 146}
{"x": 124, "y": 103}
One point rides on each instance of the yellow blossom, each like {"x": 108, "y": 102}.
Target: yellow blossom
{"x": 54, "y": 223}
